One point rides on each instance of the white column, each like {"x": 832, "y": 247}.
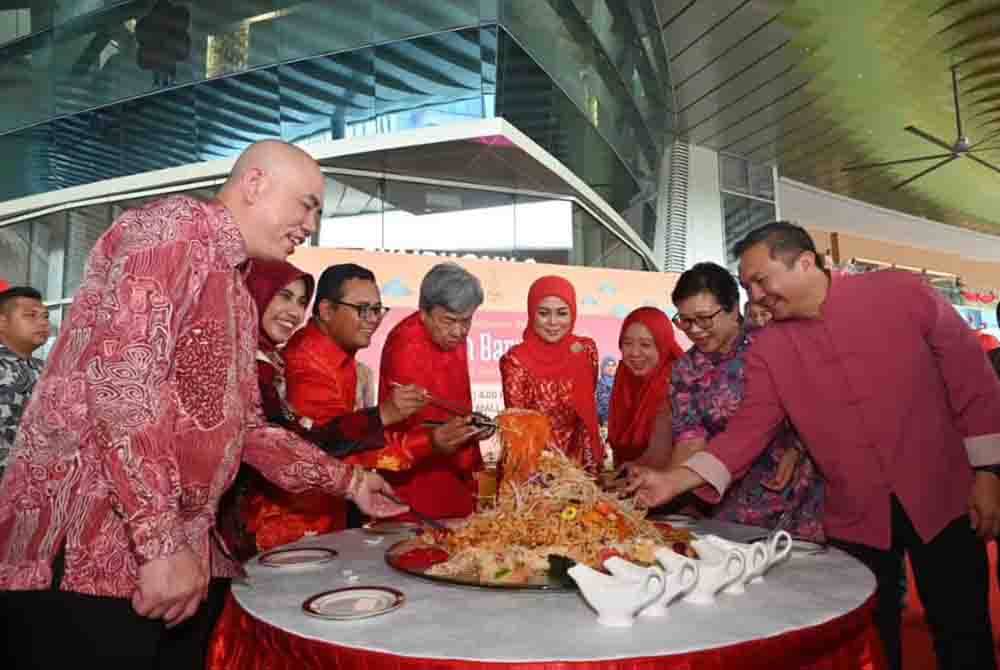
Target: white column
{"x": 662, "y": 207}
{"x": 706, "y": 237}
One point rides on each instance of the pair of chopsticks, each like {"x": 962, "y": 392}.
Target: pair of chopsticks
{"x": 423, "y": 518}
{"x": 480, "y": 420}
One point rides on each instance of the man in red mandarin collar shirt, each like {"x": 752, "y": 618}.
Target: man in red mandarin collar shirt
{"x": 428, "y": 349}
{"x": 138, "y": 425}
{"x": 901, "y": 412}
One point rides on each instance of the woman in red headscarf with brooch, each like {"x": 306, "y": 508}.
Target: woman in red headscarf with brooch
{"x": 554, "y": 372}
{"x": 639, "y": 426}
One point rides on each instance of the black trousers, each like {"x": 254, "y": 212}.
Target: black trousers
{"x": 951, "y": 572}
{"x": 59, "y": 629}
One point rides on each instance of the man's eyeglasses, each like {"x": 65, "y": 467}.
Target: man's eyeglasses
{"x": 365, "y": 311}
{"x": 705, "y": 322}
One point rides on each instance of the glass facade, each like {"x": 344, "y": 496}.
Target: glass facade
{"x": 100, "y": 89}
{"x": 747, "y": 198}
{"x": 49, "y": 252}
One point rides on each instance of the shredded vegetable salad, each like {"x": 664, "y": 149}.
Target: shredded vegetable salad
{"x": 559, "y": 509}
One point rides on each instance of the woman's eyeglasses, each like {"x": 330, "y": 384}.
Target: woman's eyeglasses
{"x": 365, "y": 311}
{"x": 705, "y": 322}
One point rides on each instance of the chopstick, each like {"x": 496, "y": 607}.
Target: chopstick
{"x": 423, "y": 518}
{"x": 483, "y": 421}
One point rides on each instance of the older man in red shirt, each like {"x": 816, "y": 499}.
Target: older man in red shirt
{"x": 428, "y": 349}
{"x": 139, "y": 422}
{"x": 901, "y": 412}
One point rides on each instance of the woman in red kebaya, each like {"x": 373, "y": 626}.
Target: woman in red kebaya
{"x": 639, "y": 427}
{"x": 554, "y": 372}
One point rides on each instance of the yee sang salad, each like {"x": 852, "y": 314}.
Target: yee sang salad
{"x": 548, "y": 510}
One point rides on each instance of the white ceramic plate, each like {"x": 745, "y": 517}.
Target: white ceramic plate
{"x": 353, "y": 602}
{"x": 387, "y": 527}
{"x": 297, "y": 558}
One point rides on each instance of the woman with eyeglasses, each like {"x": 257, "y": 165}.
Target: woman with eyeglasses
{"x": 639, "y": 421}
{"x": 554, "y": 372}
{"x": 707, "y": 389}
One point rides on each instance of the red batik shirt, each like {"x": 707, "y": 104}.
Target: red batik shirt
{"x": 438, "y": 486}
{"x": 147, "y": 405}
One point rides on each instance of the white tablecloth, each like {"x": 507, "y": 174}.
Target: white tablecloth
{"x": 449, "y": 622}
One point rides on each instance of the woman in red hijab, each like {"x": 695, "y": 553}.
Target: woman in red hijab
{"x": 255, "y": 515}
{"x": 639, "y": 418}
{"x": 554, "y": 372}
{"x": 282, "y": 293}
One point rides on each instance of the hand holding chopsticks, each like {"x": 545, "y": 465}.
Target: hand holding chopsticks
{"x": 419, "y": 516}
{"x": 374, "y": 496}
{"x": 403, "y": 402}
{"x": 449, "y": 436}
{"x": 480, "y": 419}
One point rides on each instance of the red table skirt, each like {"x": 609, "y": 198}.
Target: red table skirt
{"x": 849, "y": 642}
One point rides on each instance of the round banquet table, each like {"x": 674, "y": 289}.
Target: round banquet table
{"x": 811, "y": 611}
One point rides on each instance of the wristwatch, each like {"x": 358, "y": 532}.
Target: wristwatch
{"x": 992, "y": 469}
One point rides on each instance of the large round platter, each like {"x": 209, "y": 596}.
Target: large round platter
{"x": 394, "y": 554}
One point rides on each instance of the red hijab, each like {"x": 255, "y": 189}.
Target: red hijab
{"x": 266, "y": 278}
{"x": 563, "y": 359}
{"x": 635, "y": 400}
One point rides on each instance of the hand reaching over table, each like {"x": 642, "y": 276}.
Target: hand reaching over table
{"x": 450, "y": 437}
{"x": 616, "y": 481}
{"x": 366, "y": 494}
{"x": 654, "y": 487}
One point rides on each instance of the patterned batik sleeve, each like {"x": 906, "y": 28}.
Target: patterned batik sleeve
{"x": 686, "y": 410}
{"x": 129, "y": 380}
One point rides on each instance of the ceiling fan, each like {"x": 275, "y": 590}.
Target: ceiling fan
{"x": 960, "y": 148}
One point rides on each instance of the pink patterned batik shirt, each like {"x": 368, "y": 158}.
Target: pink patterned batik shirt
{"x": 146, "y": 407}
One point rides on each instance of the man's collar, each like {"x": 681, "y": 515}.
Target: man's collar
{"x": 228, "y": 238}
